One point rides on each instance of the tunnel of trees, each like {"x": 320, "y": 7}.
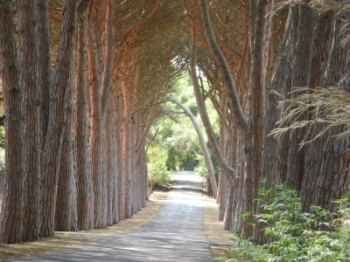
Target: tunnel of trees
{"x": 84, "y": 84}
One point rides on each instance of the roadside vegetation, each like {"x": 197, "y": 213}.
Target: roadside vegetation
{"x": 292, "y": 234}
{"x": 173, "y": 142}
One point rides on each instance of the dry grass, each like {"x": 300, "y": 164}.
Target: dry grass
{"x": 63, "y": 240}
{"x": 44, "y": 245}
{"x": 215, "y": 229}
{"x": 152, "y": 208}
{"x": 328, "y": 106}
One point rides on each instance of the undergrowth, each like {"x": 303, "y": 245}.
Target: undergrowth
{"x": 294, "y": 235}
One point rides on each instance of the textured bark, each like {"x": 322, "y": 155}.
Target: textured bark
{"x": 223, "y": 185}
{"x": 96, "y": 126}
{"x": 115, "y": 169}
{"x": 127, "y": 176}
{"x": 119, "y": 109}
{"x": 254, "y": 137}
{"x": 43, "y": 69}
{"x": 100, "y": 92}
{"x": 31, "y": 119}
{"x": 300, "y": 78}
{"x": 66, "y": 182}
{"x": 85, "y": 194}
{"x": 326, "y": 174}
{"x": 236, "y": 204}
{"x": 66, "y": 204}
{"x": 11, "y": 219}
{"x": 137, "y": 133}
{"x": 109, "y": 167}
{"x": 58, "y": 97}
{"x": 271, "y": 155}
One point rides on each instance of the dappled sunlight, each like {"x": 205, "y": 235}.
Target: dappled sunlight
{"x": 176, "y": 233}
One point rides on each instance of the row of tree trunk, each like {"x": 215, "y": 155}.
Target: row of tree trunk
{"x": 75, "y": 138}
{"x": 310, "y": 54}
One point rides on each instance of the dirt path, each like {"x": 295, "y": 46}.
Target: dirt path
{"x": 175, "y": 234}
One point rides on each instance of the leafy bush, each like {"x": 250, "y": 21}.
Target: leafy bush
{"x": 157, "y": 168}
{"x": 158, "y": 174}
{"x": 296, "y": 235}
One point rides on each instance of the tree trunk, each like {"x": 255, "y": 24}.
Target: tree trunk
{"x": 65, "y": 186}
{"x": 326, "y": 174}
{"x": 254, "y": 137}
{"x": 126, "y": 151}
{"x": 300, "y": 78}
{"x": 271, "y": 153}
{"x": 110, "y": 176}
{"x": 85, "y": 194}
{"x": 11, "y": 219}
{"x": 58, "y": 98}
{"x": 119, "y": 112}
{"x": 31, "y": 119}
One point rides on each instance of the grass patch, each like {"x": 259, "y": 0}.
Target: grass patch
{"x": 46, "y": 244}
{"x": 215, "y": 228}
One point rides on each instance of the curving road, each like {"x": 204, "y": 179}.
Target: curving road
{"x": 176, "y": 234}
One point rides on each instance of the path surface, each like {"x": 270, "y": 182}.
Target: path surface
{"x": 176, "y": 234}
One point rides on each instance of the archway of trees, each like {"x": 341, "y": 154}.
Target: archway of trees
{"x": 83, "y": 81}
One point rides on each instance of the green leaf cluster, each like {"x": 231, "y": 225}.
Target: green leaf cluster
{"x": 157, "y": 169}
{"x": 294, "y": 235}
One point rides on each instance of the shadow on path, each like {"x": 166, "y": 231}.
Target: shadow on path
{"x": 176, "y": 234}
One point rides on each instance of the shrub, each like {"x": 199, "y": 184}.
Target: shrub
{"x": 296, "y": 235}
{"x": 157, "y": 169}
{"x": 158, "y": 174}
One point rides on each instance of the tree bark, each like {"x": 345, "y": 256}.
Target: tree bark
{"x": 58, "y": 99}
{"x": 85, "y": 194}
{"x": 11, "y": 219}
{"x": 271, "y": 153}
{"x": 31, "y": 119}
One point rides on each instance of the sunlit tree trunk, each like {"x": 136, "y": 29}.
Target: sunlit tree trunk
{"x": 85, "y": 194}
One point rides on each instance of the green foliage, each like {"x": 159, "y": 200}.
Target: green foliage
{"x": 201, "y": 167}
{"x": 295, "y": 235}
{"x": 175, "y": 133}
{"x": 157, "y": 169}
{"x": 2, "y": 158}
